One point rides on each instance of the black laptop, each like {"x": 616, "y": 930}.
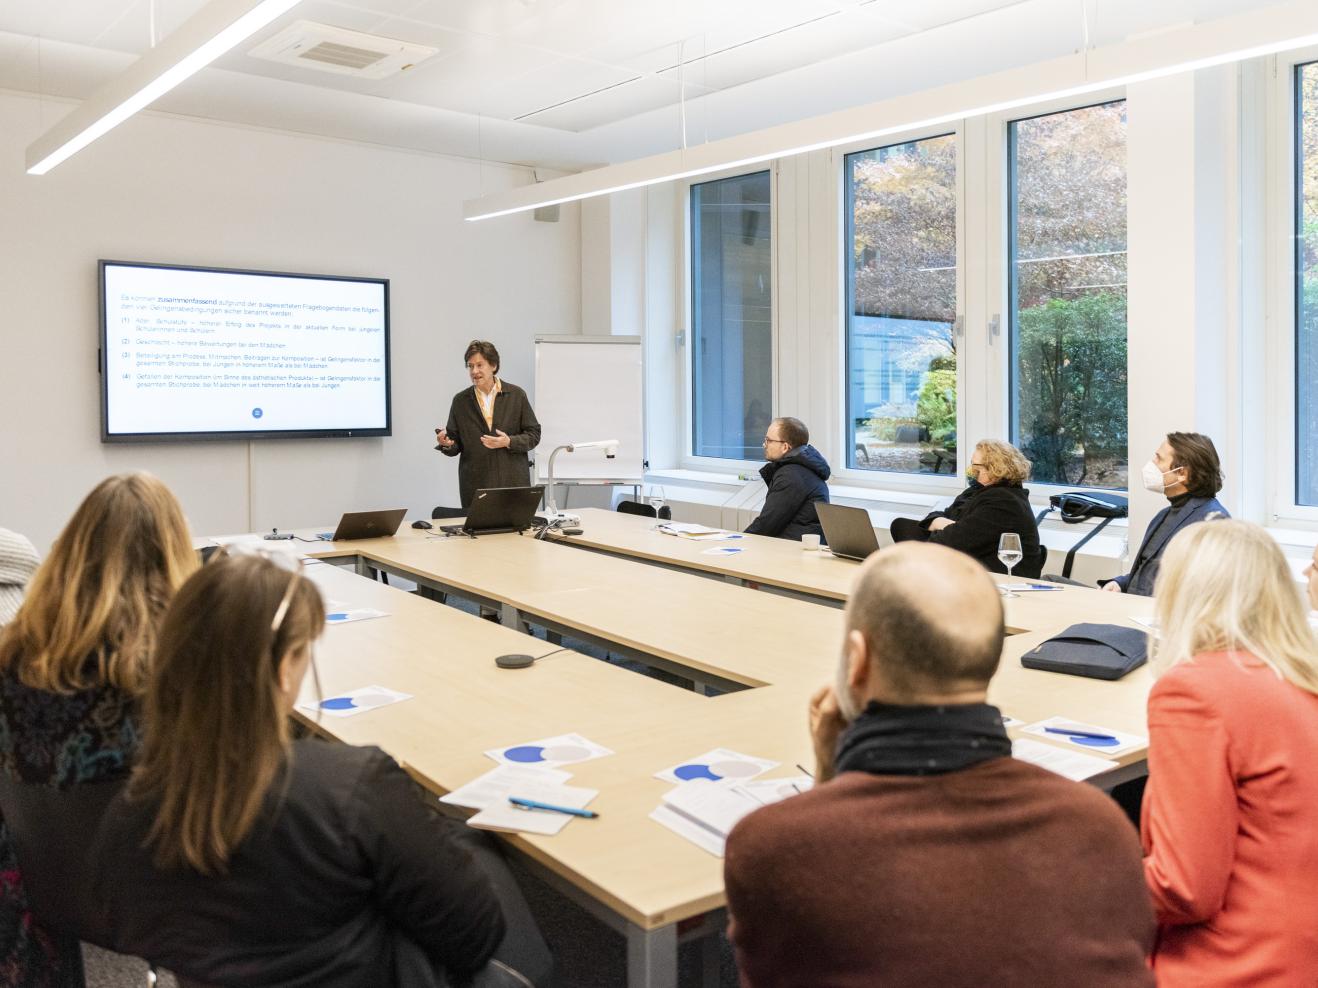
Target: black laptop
{"x": 499, "y": 509}
{"x": 365, "y": 525}
{"x": 847, "y": 531}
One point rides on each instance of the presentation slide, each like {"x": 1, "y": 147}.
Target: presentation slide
{"x": 222, "y": 353}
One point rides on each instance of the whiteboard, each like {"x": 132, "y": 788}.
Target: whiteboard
{"x": 589, "y": 388}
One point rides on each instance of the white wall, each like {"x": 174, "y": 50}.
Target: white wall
{"x": 183, "y": 191}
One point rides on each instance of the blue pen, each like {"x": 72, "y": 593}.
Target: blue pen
{"x": 531, "y": 804}
{"x": 1080, "y": 734}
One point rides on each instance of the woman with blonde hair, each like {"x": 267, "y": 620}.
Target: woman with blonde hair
{"x": 995, "y": 502}
{"x": 1230, "y": 817}
{"x": 72, "y": 665}
{"x": 239, "y": 856}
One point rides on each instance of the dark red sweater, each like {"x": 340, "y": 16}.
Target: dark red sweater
{"x": 1002, "y": 874}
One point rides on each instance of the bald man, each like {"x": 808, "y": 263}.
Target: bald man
{"x": 925, "y": 854}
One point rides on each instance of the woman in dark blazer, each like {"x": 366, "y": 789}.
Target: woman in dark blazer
{"x": 994, "y": 503}
{"x": 491, "y": 428}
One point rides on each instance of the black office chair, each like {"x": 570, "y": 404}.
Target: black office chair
{"x": 645, "y": 510}
{"x": 442, "y": 512}
{"x": 1031, "y": 567}
{"x": 52, "y": 830}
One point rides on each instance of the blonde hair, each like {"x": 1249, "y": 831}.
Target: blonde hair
{"x": 100, "y": 593}
{"x": 216, "y": 737}
{"x": 1224, "y": 586}
{"x": 1003, "y": 461}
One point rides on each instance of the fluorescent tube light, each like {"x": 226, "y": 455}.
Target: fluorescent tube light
{"x": 1282, "y": 27}
{"x": 204, "y": 37}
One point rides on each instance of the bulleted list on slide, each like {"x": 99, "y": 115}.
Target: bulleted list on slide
{"x": 207, "y": 351}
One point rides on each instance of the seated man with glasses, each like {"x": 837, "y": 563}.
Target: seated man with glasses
{"x": 796, "y": 474}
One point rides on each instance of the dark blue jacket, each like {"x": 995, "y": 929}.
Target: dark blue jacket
{"x": 795, "y": 482}
{"x": 1166, "y": 523}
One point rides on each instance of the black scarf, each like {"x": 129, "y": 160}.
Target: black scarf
{"x": 887, "y": 739}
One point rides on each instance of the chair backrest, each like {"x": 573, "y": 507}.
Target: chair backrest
{"x": 645, "y": 510}
{"x": 442, "y": 512}
{"x": 52, "y": 831}
{"x": 1031, "y": 567}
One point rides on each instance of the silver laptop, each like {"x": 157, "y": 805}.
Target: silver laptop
{"x": 365, "y": 525}
{"x": 847, "y": 531}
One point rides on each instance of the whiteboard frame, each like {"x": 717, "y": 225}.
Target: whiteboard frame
{"x": 638, "y": 481}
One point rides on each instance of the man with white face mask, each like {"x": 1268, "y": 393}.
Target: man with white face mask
{"x": 925, "y": 854}
{"x": 1186, "y": 470}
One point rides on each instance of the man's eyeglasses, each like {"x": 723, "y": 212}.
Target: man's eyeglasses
{"x": 770, "y": 439}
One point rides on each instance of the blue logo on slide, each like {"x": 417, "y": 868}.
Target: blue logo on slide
{"x": 257, "y": 413}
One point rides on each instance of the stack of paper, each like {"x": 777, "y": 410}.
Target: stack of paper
{"x": 490, "y": 792}
{"x": 1071, "y": 764}
{"x": 698, "y": 533}
{"x": 705, "y": 812}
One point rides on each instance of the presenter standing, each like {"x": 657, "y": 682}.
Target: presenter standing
{"x": 491, "y": 427}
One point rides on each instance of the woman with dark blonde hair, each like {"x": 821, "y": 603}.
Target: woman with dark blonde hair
{"x": 73, "y": 663}
{"x": 1230, "y": 816}
{"x": 239, "y": 856}
{"x": 995, "y": 502}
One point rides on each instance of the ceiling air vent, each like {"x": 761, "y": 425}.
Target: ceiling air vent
{"x": 335, "y": 49}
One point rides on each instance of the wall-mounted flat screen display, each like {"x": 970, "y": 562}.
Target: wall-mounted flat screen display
{"x": 211, "y": 353}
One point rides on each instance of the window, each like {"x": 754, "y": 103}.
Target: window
{"x": 731, "y": 272}
{"x": 901, "y": 307}
{"x": 1306, "y": 284}
{"x": 1067, "y": 283}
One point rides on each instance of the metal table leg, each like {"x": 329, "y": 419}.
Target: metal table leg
{"x": 652, "y": 957}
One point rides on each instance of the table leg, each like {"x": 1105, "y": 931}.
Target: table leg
{"x": 652, "y": 957}
{"x": 710, "y": 961}
{"x": 509, "y": 617}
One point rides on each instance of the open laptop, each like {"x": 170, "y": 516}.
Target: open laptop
{"x": 499, "y": 509}
{"x": 847, "y": 531}
{"x": 365, "y": 525}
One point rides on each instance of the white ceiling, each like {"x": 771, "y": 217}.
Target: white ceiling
{"x": 572, "y": 82}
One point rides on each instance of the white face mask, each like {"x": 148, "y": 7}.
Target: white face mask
{"x": 1152, "y": 477}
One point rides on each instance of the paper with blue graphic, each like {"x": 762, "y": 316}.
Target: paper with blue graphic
{"x": 564, "y": 749}
{"x": 716, "y": 766}
{"x": 355, "y": 702}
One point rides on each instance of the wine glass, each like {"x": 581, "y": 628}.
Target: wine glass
{"x": 1009, "y": 554}
{"x": 656, "y": 500}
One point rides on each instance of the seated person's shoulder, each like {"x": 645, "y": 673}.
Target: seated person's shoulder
{"x": 336, "y": 771}
{"x": 796, "y": 819}
{"x": 1076, "y": 811}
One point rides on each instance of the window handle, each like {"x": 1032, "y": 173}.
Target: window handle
{"x": 995, "y": 324}
{"x": 959, "y": 326}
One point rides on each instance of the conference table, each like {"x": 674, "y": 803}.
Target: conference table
{"x": 697, "y": 615}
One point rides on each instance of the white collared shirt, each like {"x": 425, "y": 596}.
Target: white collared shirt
{"x": 487, "y": 402}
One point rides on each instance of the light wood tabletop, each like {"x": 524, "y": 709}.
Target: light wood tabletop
{"x": 778, "y": 647}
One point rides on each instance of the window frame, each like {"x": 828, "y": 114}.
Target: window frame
{"x": 1282, "y": 222}
{"x": 889, "y": 480}
{"x": 998, "y": 275}
{"x": 688, "y": 458}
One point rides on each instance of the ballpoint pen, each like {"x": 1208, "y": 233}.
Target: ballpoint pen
{"x": 1092, "y": 735}
{"x": 531, "y": 804}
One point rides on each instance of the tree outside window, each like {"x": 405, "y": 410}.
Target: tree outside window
{"x": 1068, "y": 295}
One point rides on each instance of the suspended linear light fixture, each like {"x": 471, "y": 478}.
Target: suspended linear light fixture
{"x": 202, "y": 38}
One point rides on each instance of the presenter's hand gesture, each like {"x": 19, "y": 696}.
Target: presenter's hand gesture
{"x": 826, "y": 726}
{"x": 442, "y": 437}
{"x": 499, "y": 440}
{"x": 1113, "y": 587}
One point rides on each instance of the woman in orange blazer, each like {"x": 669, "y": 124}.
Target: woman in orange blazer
{"x": 1230, "y": 817}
